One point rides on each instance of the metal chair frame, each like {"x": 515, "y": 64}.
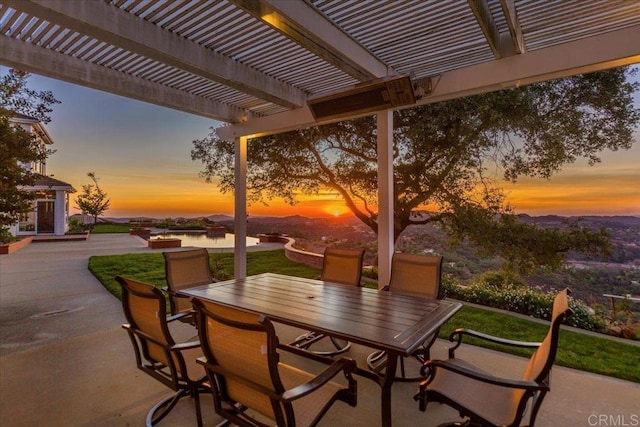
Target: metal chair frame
{"x": 226, "y": 379}
{"x": 198, "y": 274}
{"x": 534, "y": 386}
{"x": 171, "y": 371}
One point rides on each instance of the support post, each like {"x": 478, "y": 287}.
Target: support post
{"x": 240, "y": 209}
{"x": 385, "y": 196}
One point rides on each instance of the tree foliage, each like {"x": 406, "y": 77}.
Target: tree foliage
{"x": 93, "y": 200}
{"x": 18, "y": 146}
{"x": 15, "y": 96}
{"x": 449, "y": 160}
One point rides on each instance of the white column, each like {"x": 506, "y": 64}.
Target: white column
{"x": 59, "y": 214}
{"x": 385, "y": 196}
{"x": 240, "y": 210}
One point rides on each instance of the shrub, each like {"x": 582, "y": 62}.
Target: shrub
{"x": 524, "y": 300}
{"x": 370, "y": 271}
{"x": 500, "y": 279}
{"x": 76, "y": 226}
{"x": 5, "y": 236}
{"x": 191, "y": 225}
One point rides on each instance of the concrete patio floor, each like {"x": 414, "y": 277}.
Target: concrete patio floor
{"x": 64, "y": 359}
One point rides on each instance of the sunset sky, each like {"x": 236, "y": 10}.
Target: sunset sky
{"x": 141, "y": 154}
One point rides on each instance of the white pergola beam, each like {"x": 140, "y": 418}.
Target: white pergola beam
{"x": 97, "y": 19}
{"x": 510, "y": 15}
{"x": 481, "y": 11}
{"x": 301, "y": 23}
{"x": 25, "y": 56}
{"x": 604, "y": 51}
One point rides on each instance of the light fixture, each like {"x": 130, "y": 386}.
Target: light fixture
{"x": 375, "y": 95}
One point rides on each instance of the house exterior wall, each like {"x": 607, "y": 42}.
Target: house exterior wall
{"x": 35, "y": 167}
{"x": 57, "y": 192}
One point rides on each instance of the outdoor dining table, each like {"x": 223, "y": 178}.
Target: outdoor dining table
{"x": 394, "y": 323}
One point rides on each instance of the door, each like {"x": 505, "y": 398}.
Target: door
{"x": 46, "y": 216}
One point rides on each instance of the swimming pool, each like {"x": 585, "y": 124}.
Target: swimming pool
{"x": 201, "y": 240}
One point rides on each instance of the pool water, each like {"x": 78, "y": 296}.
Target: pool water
{"x": 204, "y": 241}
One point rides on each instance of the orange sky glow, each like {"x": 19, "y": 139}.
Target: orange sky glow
{"x": 609, "y": 188}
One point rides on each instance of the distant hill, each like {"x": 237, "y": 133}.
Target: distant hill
{"x": 589, "y": 276}
{"x": 220, "y": 218}
{"x": 125, "y": 220}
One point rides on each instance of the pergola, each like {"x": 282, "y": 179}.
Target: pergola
{"x": 266, "y": 66}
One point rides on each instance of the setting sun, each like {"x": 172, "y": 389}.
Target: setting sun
{"x": 336, "y": 209}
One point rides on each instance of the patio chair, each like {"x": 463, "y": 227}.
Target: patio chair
{"x": 413, "y": 275}
{"x": 343, "y": 266}
{"x": 251, "y": 386}
{"x": 185, "y": 269}
{"x": 157, "y": 354}
{"x": 487, "y": 400}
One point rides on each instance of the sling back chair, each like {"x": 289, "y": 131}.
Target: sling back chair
{"x": 185, "y": 269}
{"x": 342, "y": 266}
{"x": 157, "y": 354}
{"x": 412, "y": 275}
{"x": 487, "y": 400}
{"x": 251, "y": 387}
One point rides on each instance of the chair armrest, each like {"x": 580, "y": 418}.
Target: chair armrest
{"x": 179, "y": 316}
{"x": 186, "y": 345}
{"x": 459, "y": 333}
{"x": 343, "y": 364}
{"x": 143, "y": 335}
{"x": 175, "y": 294}
{"x": 481, "y": 376}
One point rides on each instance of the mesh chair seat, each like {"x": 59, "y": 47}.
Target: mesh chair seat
{"x": 475, "y": 395}
{"x": 307, "y": 408}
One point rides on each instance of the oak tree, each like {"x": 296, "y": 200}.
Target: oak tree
{"x": 444, "y": 156}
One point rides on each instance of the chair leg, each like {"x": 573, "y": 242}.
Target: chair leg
{"x": 377, "y": 362}
{"x": 339, "y": 347}
{"x": 164, "y": 407}
{"x": 196, "y": 396}
{"x": 305, "y": 341}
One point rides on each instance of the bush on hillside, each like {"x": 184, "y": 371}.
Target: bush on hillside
{"x": 524, "y": 300}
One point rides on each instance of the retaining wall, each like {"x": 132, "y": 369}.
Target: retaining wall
{"x": 303, "y": 257}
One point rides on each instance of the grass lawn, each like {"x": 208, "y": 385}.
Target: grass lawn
{"x": 576, "y": 350}
{"x": 149, "y": 267}
{"x": 111, "y": 228}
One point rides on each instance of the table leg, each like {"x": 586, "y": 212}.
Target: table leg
{"x": 385, "y": 383}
